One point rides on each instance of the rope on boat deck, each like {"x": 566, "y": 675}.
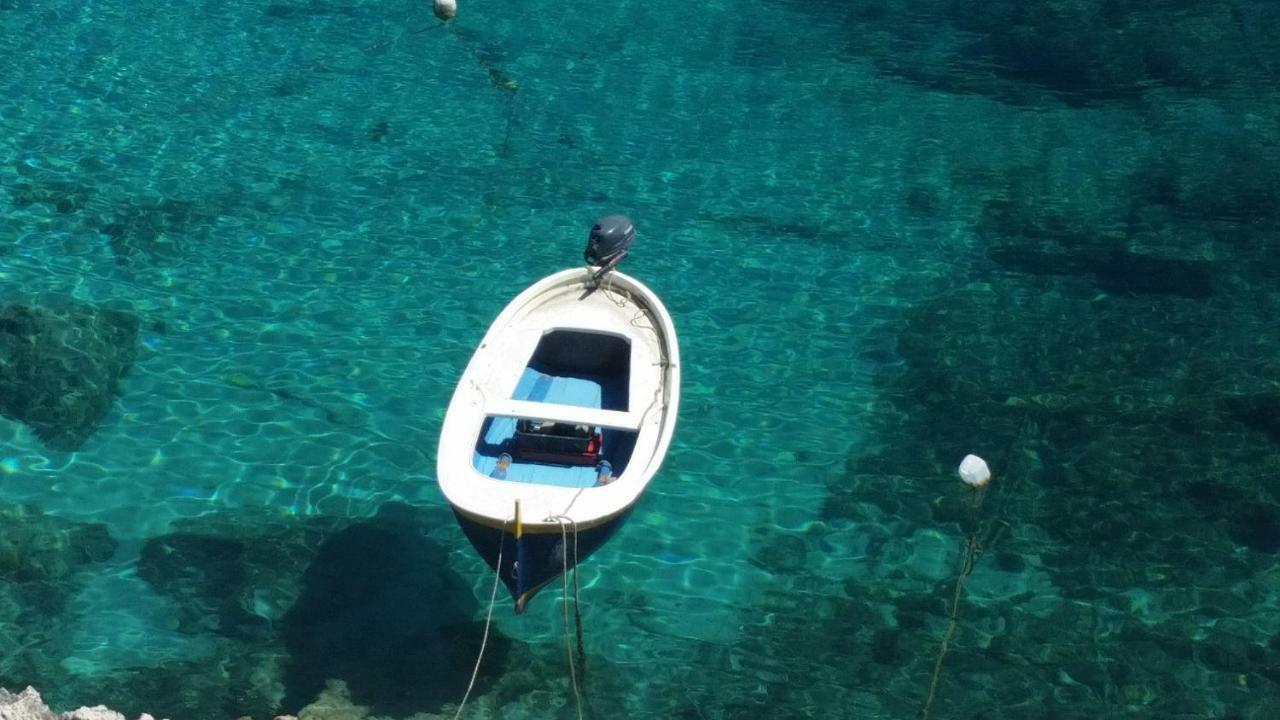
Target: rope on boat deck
{"x": 649, "y": 324}
{"x": 488, "y": 621}
{"x": 577, "y": 613}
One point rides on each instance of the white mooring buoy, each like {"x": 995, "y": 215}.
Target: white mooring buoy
{"x": 446, "y": 9}
{"x": 974, "y": 472}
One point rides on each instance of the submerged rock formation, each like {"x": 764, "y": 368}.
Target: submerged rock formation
{"x": 1078, "y": 51}
{"x": 290, "y": 604}
{"x": 60, "y": 367}
{"x": 39, "y": 548}
{"x": 150, "y": 231}
{"x": 41, "y": 557}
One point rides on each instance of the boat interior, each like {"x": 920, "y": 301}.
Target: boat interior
{"x": 568, "y": 369}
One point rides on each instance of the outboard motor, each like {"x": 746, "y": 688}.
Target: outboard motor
{"x": 608, "y": 244}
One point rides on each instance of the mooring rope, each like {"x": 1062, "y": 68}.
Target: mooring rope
{"x": 577, "y": 608}
{"x": 484, "y": 640}
{"x": 568, "y": 644}
{"x": 605, "y": 285}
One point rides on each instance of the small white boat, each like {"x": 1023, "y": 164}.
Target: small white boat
{"x": 562, "y": 417}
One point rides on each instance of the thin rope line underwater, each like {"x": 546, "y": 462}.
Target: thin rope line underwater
{"x": 488, "y": 621}
{"x": 568, "y": 645}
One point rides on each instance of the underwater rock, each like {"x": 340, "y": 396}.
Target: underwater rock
{"x": 289, "y": 86}
{"x": 1122, "y": 272}
{"x": 1026, "y": 238}
{"x": 1258, "y": 412}
{"x": 884, "y": 646}
{"x": 1078, "y": 51}
{"x": 28, "y": 705}
{"x": 757, "y": 225}
{"x": 64, "y": 197}
{"x": 42, "y": 549}
{"x": 41, "y": 557}
{"x": 231, "y": 577}
{"x": 778, "y": 551}
{"x": 1257, "y": 527}
{"x": 60, "y": 367}
{"x": 152, "y": 231}
{"x": 210, "y": 687}
{"x": 206, "y": 573}
{"x": 923, "y": 201}
{"x": 1229, "y": 653}
{"x": 292, "y": 602}
{"x": 1117, "y": 272}
{"x": 334, "y": 703}
{"x": 235, "y": 575}
{"x": 1230, "y": 183}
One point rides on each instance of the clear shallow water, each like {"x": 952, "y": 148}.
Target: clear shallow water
{"x": 889, "y": 236}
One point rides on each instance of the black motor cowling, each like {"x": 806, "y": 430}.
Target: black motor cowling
{"x": 609, "y": 242}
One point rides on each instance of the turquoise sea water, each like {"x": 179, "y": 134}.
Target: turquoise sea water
{"x": 890, "y": 234}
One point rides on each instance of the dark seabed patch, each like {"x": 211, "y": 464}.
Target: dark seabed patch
{"x": 1260, "y": 412}
{"x": 62, "y": 366}
{"x": 1088, "y": 52}
{"x": 288, "y": 604}
{"x": 41, "y": 562}
{"x": 63, "y": 197}
{"x": 1091, "y": 411}
{"x": 153, "y": 231}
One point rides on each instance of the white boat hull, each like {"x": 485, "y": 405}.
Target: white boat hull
{"x": 603, "y": 364}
